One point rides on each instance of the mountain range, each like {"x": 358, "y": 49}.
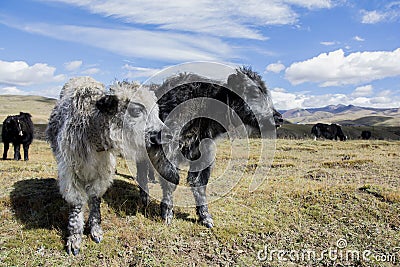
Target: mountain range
{"x": 349, "y": 115}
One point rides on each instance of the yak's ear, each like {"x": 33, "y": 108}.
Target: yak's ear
{"x": 108, "y": 104}
{"x": 28, "y": 115}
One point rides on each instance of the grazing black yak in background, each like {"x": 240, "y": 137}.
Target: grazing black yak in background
{"x": 331, "y": 132}
{"x": 18, "y": 130}
{"x": 244, "y": 94}
{"x": 366, "y": 135}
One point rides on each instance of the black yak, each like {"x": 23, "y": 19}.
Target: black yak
{"x": 366, "y": 135}
{"x": 244, "y": 94}
{"x": 331, "y": 132}
{"x": 18, "y": 130}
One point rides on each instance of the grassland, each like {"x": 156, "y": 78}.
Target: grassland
{"x": 316, "y": 194}
{"x": 39, "y": 107}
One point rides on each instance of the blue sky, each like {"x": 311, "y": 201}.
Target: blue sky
{"x": 311, "y": 53}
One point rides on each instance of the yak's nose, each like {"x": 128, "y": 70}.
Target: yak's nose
{"x": 160, "y": 137}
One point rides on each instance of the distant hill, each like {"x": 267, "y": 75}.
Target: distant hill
{"x": 353, "y": 118}
{"x": 38, "y": 106}
{"x": 345, "y": 115}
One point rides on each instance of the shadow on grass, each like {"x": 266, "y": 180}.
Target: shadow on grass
{"x": 124, "y": 198}
{"x": 37, "y": 203}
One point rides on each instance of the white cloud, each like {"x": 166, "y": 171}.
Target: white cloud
{"x": 372, "y": 17}
{"x": 52, "y": 91}
{"x": 279, "y": 90}
{"x": 336, "y": 69}
{"x": 73, "y": 65}
{"x": 11, "y": 90}
{"x": 229, "y": 18}
{"x": 285, "y": 100}
{"x": 139, "y": 72}
{"x": 328, "y": 43}
{"x": 365, "y": 90}
{"x": 91, "y": 71}
{"x": 311, "y": 4}
{"x": 20, "y": 73}
{"x": 389, "y": 12}
{"x": 133, "y": 42}
{"x": 358, "y": 38}
{"x": 275, "y": 67}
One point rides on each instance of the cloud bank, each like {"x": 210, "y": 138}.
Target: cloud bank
{"x": 337, "y": 69}
{"x": 19, "y": 73}
{"x": 361, "y": 96}
{"x": 228, "y": 18}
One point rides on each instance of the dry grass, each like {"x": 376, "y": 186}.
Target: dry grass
{"x": 39, "y": 107}
{"x": 316, "y": 193}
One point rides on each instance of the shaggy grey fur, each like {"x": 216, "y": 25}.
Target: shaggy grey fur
{"x": 85, "y": 132}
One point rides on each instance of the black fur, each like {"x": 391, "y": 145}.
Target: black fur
{"x": 331, "y": 132}
{"x": 245, "y": 89}
{"x": 366, "y": 135}
{"x": 108, "y": 104}
{"x": 18, "y": 130}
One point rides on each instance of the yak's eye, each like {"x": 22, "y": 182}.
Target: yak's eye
{"x": 136, "y": 110}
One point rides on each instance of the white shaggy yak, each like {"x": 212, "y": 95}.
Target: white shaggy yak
{"x": 85, "y": 132}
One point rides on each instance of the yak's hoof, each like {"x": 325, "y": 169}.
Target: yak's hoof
{"x": 167, "y": 213}
{"x": 208, "y": 222}
{"x": 74, "y": 244}
{"x": 96, "y": 239}
{"x": 205, "y": 217}
{"x": 168, "y": 220}
{"x": 96, "y": 233}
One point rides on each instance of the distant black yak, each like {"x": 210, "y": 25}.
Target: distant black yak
{"x": 18, "y": 130}
{"x": 331, "y": 132}
{"x": 246, "y": 89}
{"x": 365, "y": 135}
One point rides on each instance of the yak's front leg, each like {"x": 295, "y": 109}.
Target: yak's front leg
{"x": 167, "y": 204}
{"x": 75, "y": 229}
{"x": 94, "y": 219}
{"x": 141, "y": 177}
{"x": 6, "y": 147}
{"x": 169, "y": 180}
{"x": 26, "y": 150}
{"x": 198, "y": 182}
{"x": 17, "y": 152}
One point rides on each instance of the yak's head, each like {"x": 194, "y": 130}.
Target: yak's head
{"x": 137, "y": 119}
{"x": 255, "y": 105}
{"x": 12, "y": 126}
